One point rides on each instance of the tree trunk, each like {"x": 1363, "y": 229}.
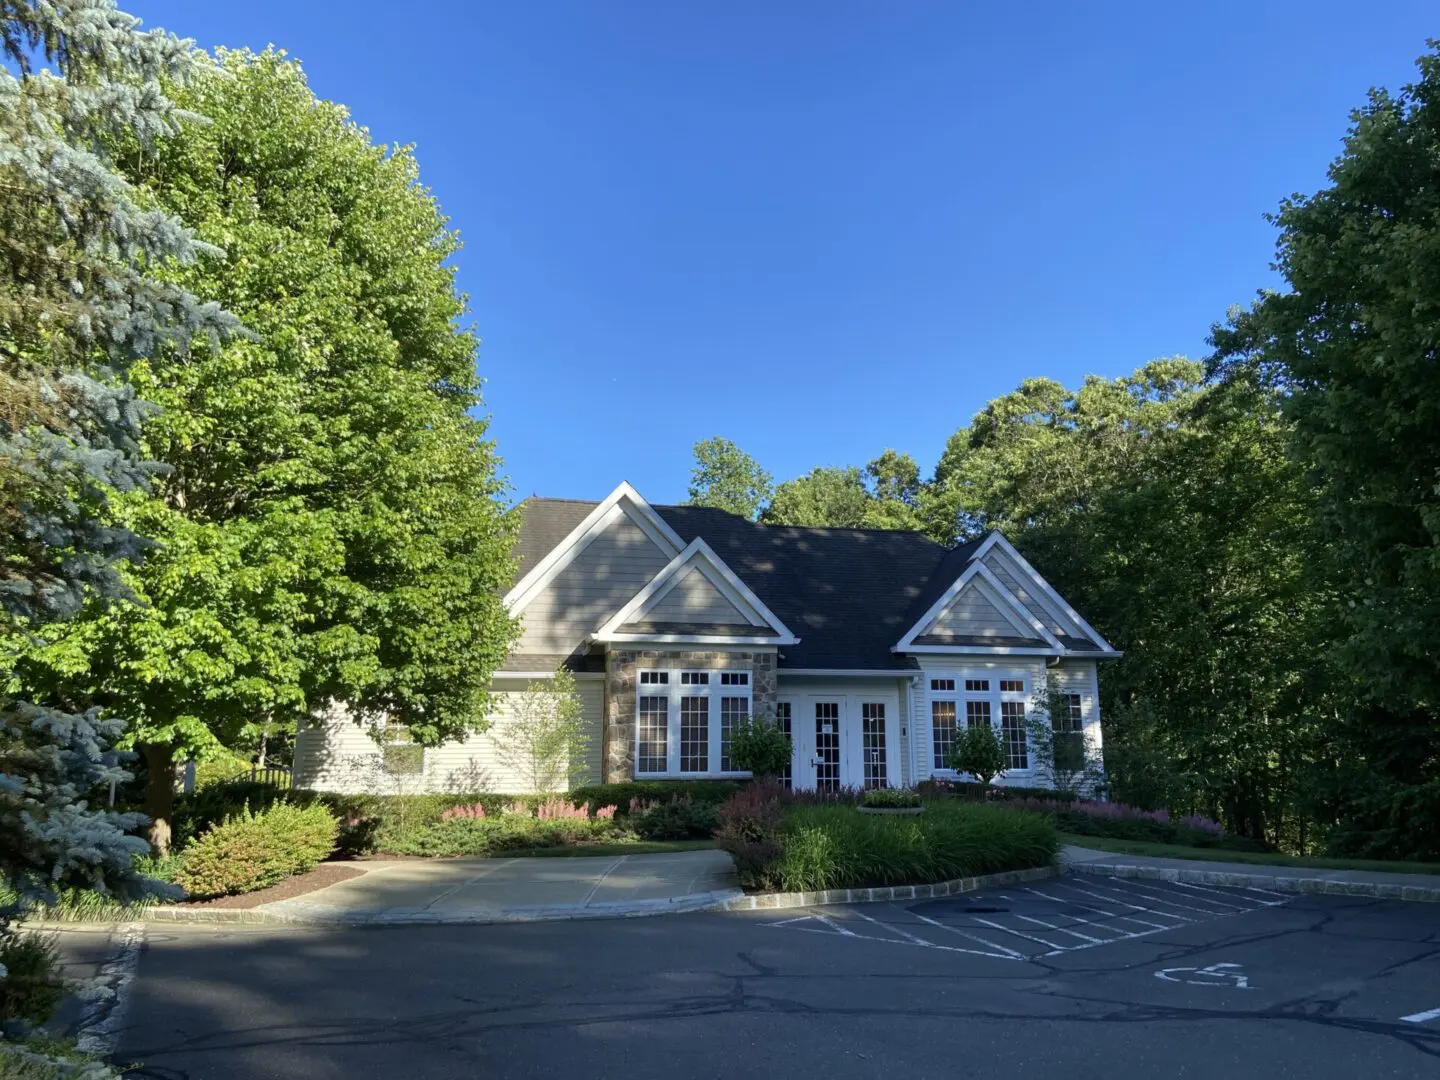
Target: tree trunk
{"x": 159, "y": 793}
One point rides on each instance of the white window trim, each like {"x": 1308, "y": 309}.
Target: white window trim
{"x": 384, "y": 740}
{"x": 994, "y": 696}
{"x": 673, "y": 691}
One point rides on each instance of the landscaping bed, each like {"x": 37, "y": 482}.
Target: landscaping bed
{"x": 324, "y": 875}
{"x": 785, "y": 841}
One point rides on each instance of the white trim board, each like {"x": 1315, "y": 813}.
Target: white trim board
{"x": 624, "y": 500}
{"x": 1046, "y": 592}
{"x": 699, "y": 556}
{"x": 1006, "y": 602}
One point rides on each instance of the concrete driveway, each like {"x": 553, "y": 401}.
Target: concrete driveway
{"x": 497, "y": 890}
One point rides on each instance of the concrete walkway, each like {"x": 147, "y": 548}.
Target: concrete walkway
{"x": 500, "y": 890}
{"x": 1290, "y": 879}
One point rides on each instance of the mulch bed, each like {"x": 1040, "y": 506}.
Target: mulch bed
{"x": 323, "y": 875}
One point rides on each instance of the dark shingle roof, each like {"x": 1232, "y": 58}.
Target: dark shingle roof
{"x": 543, "y": 524}
{"x": 848, "y": 594}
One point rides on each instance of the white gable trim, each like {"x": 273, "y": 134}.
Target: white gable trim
{"x": 1006, "y": 602}
{"x": 1046, "y": 592}
{"x": 623, "y": 501}
{"x": 700, "y": 556}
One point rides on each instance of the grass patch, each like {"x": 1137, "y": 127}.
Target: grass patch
{"x": 1252, "y": 858}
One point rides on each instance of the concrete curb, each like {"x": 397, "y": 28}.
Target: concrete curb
{"x": 299, "y": 913}
{"x": 302, "y": 913}
{"x": 1272, "y": 882}
{"x": 762, "y": 901}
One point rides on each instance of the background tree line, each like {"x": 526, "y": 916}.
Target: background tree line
{"x": 1260, "y": 532}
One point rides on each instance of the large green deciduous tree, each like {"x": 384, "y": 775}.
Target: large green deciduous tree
{"x": 727, "y": 478}
{"x": 1351, "y": 344}
{"x": 83, "y": 294}
{"x": 884, "y": 495}
{"x": 331, "y": 529}
{"x": 1172, "y": 516}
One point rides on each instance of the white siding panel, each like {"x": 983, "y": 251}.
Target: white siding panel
{"x": 695, "y": 599}
{"x": 338, "y": 755}
{"x": 999, "y": 564}
{"x": 971, "y": 615}
{"x": 613, "y": 567}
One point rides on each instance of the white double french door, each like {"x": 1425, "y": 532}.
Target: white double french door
{"x": 840, "y": 741}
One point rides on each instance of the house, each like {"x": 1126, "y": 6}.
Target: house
{"x": 871, "y": 647}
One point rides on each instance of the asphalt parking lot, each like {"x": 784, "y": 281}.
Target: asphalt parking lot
{"x": 1075, "y": 977}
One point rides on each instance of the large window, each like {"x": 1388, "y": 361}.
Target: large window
{"x": 684, "y": 720}
{"x": 942, "y": 731}
{"x": 1012, "y": 731}
{"x": 990, "y": 700}
{"x": 399, "y": 755}
{"x": 1071, "y": 714}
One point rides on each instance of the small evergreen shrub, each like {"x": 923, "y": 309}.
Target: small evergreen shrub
{"x": 680, "y": 819}
{"x": 890, "y": 799}
{"x": 32, "y": 987}
{"x": 494, "y": 835}
{"x": 648, "y": 792}
{"x": 255, "y": 850}
{"x": 978, "y": 751}
{"x": 760, "y": 747}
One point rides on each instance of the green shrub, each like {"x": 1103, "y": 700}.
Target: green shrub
{"x": 963, "y": 789}
{"x": 495, "y": 835}
{"x": 203, "y": 809}
{"x": 680, "y": 819}
{"x": 977, "y": 750}
{"x": 255, "y": 850}
{"x": 760, "y": 747}
{"x": 645, "y": 792}
{"x": 750, "y": 825}
{"x": 890, "y": 799}
{"x": 32, "y": 987}
{"x": 836, "y": 847}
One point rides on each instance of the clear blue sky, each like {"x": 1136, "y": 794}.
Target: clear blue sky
{"x": 823, "y": 228}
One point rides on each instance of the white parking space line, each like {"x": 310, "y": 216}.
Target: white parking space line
{"x": 1124, "y": 903}
{"x": 1421, "y": 1017}
{"x": 920, "y": 942}
{"x": 1116, "y": 915}
{"x": 969, "y": 937}
{"x": 1205, "y": 889}
{"x": 1281, "y": 897}
{"x": 833, "y": 925}
{"x": 1061, "y": 929}
{"x": 1156, "y": 896}
{"x": 1163, "y": 892}
{"x": 1017, "y": 933}
{"x": 1108, "y": 920}
{"x": 894, "y": 929}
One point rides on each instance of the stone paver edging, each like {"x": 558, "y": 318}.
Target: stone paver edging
{"x": 1272, "y": 882}
{"x": 760, "y": 901}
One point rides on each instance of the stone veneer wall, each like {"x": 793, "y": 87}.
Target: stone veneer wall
{"x": 620, "y": 681}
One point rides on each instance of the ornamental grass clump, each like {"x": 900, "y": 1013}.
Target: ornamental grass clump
{"x": 835, "y": 847}
{"x": 253, "y": 851}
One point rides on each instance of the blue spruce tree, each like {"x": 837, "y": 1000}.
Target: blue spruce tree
{"x": 82, "y": 296}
